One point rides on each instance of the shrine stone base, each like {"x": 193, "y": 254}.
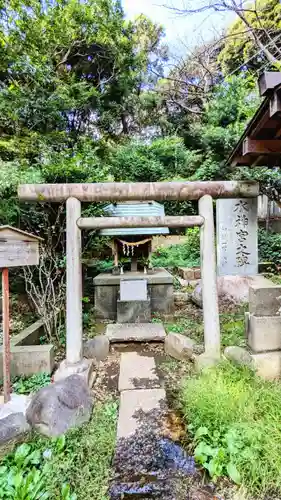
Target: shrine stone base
{"x": 160, "y": 290}
{"x": 85, "y": 369}
{"x": 133, "y": 311}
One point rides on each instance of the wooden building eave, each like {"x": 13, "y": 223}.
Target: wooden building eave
{"x": 260, "y": 144}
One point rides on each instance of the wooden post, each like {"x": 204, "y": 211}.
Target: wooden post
{"x": 209, "y": 279}
{"x": 74, "y": 283}
{"x": 6, "y": 335}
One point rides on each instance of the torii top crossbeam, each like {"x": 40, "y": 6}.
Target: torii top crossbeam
{"x": 118, "y": 191}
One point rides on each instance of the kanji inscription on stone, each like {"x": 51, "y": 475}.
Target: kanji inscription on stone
{"x": 237, "y": 237}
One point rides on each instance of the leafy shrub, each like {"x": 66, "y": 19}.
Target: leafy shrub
{"x": 73, "y": 466}
{"x": 25, "y": 385}
{"x": 234, "y": 420}
{"x": 233, "y": 329}
{"x": 269, "y": 245}
{"x": 23, "y": 474}
{"x": 185, "y": 255}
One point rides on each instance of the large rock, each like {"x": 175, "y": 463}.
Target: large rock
{"x": 179, "y": 347}
{"x": 58, "y": 407}
{"x": 13, "y": 429}
{"x": 96, "y": 348}
{"x": 238, "y": 355}
{"x": 233, "y": 289}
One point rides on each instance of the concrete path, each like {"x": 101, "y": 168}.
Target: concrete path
{"x": 136, "y": 332}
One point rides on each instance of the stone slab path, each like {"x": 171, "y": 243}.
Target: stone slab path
{"x": 146, "y": 464}
{"x": 133, "y": 407}
{"x": 141, "y": 414}
{"x": 137, "y": 372}
{"x": 136, "y": 332}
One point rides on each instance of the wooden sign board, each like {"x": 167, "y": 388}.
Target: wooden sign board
{"x": 18, "y": 248}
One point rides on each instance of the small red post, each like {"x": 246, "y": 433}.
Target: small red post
{"x": 6, "y": 335}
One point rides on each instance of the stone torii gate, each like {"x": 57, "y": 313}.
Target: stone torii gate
{"x": 74, "y": 194}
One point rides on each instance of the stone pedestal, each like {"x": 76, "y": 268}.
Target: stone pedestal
{"x": 133, "y": 311}
{"x": 263, "y": 329}
{"x": 85, "y": 369}
{"x": 159, "y": 285}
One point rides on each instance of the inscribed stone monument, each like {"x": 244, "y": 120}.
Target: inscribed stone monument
{"x": 237, "y": 237}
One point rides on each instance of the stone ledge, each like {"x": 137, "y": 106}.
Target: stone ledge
{"x": 27, "y": 360}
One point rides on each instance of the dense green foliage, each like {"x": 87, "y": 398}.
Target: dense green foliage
{"x": 233, "y": 418}
{"x": 83, "y": 99}
{"x": 240, "y": 49}
{"x": 269, "y": 247}
{"x": 26, "y": 385}
{"x": 183, "y": 255}
{"x": 66, "y": 468}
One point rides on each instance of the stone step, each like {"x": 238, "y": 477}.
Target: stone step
{"x": 137, "y": 372}
{"x": 139, "y": 409}
{"x": 136, "y": 332}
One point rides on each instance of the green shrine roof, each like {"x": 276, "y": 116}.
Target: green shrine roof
{"x": 130, "y": 209}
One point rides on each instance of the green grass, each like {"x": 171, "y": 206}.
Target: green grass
{"x": 233, "y": 329}
{"x": 182, "y": 255}
{"x": 187, "y": 326}
{"x": 234, "y": 419}
{"x": 80, "y": 460}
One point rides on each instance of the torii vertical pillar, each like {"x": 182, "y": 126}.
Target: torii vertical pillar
{"x": 74, "y": 362}
{"x": 209, "y": 280}
{"x": 74, "y": 328}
